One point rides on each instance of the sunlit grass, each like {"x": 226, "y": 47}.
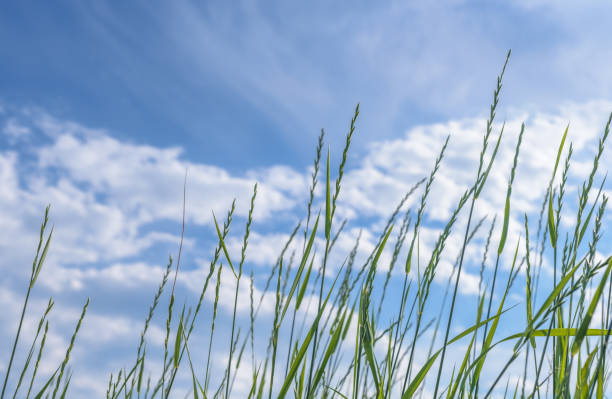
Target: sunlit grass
{"x": 558, "y": 349}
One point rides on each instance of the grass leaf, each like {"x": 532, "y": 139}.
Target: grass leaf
{"x": 222, "y": 241}
{"x": 584, "y": 326}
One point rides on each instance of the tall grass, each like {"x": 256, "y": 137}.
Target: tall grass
{"x": 558, "y": 351}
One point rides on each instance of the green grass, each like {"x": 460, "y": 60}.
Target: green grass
{"x": 558, "y": 347}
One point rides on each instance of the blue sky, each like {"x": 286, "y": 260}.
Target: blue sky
{"x": 245, "y": 85}
{"x": 104, "y": 105}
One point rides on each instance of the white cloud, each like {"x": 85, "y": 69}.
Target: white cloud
{"x": 110, "y": 200}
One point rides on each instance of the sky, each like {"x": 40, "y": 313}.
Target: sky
{"x": 104, "y": 107}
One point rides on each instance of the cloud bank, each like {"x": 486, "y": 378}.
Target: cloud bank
{"x": 116, "y": 207}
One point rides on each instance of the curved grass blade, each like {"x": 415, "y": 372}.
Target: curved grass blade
{"x": 551, "y": 221}
{"x": 177, "y": 343}
{"x": 418, "y": 379}
{"x": 591, "y": 309}
{"x": 300, "y": 270}
{"x": 222, "y": 241}
{"x": 331, "y": 348}
{"x": 555, "y": 292}
{"x": 502, "y": 240}
{"x": 414, "y": 384}
{"x": 297, "y": 360}
{"x": 302, "y": 291}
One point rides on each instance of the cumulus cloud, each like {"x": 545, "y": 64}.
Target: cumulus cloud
{"x": 112, "y": 202}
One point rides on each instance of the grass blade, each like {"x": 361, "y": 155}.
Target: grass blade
{"x": 591, "y": 309}
{"x": 222, "y": 241}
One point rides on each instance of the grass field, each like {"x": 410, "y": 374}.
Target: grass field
{"x": 341, "y": 345}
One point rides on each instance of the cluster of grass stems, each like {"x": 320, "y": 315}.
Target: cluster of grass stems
{"x": 560, "y": 352}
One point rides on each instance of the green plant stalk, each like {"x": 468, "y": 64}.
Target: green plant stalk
{"x": 32, "y": 346}
{"x": 212, "y": 329}
{"x": 217, "y": 253}
{"x": 405, "y": 286}
{"x": 243, "y": 255}
{"x": 479, "y": 177}
{"x": 330, "y": 209}
{"x": 275, "y": 327}
{"x": 70, "y": 346}
{"x": 36, "y": 267}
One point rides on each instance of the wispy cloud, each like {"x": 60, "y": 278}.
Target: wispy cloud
{"x": 245, "y": 79}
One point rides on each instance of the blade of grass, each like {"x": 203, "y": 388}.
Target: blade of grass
{"x": 591, "y": 309}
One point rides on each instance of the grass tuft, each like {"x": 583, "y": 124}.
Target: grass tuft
{"x": 339, "y": 330}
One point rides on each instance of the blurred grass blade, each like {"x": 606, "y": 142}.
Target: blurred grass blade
{"x": 334, "y": 390}
{"x": 600, "y": 385}
{"x": 66, "y": 384}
